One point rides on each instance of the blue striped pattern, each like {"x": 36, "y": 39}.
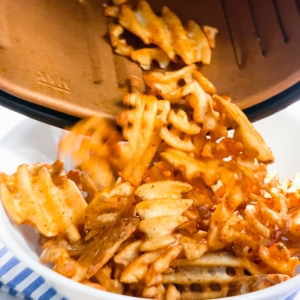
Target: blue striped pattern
{"x": 293, "y": 295}
{"x": 29, "y": 286}
{"x": 18, "y": 280}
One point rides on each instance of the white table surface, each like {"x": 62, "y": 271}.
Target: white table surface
{"x": 8, "y": 119}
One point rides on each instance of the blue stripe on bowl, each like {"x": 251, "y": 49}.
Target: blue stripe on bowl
{"x": 48, "y": 295}
{"x": 17, "y": 286}
{"x": 2, "y": 251}
{"x": 33, "y": 286}
{"x": 8, "y": 266}
{"x": 20, "y": 277}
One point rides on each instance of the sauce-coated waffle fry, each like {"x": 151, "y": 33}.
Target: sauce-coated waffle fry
{"x": 190, "y": 43}
{"x": 32, "y": 197}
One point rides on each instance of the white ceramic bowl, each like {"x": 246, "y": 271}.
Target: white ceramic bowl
{"x": 31, "y": 142}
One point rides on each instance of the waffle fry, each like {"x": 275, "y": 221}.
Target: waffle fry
{"x": 246, "y": 284}
{"x": 204, "y": 112}
{"x": 159, "y": 171}
{"x": 88, "y": 186}
{"x": 146, "y": 56}
{"x": 260, "y": 225}
{"x": 93, "y": 139}
{"x": 137, "y": 269}
{"x": 171, "y": 190}
{"x": 111, "y": 11}
{"x": 183, "y": 45}
{"x": 202, "y": 197}
{"x": 141, "y": 119}
{"x": 31, "y": 197}
{"x": 221, "y": 259}
{"x": 202, "y": 47}
{"x": 166, "y": 85}
{"x": 155, "y": 29}
{"x": 108, "y": 206}
{"x": 172, "y": 293}
{"x": 154, "y": 273}
{"x": 159, "y": 231}
{"x": 159, "y": 219}
{"x": 207, "y": 86}
{"x": 211, "y": 33}
{"x": 63, "y": 263}
{"x": 181, "y": 122}
{"x": 105, "y": 244}
{"x": 151, "y": 209}
{"x": 192, "y": 248}
{"x": 195, "y": 89}
{"x": 154, "y": 292}
{"x": 219, "y": 275}
{"x": 179, "y": 136}
{"x": 228, "y": 173}
{"x": 278, "y": 257}
{"x": 128, "y": 254}
{"x": 254, "y": 145}
{"x": 173, "y": 137}
{"x": 274, "y": 209}
{"x": 119, "y": 45}
{"x": 167, "y": 32}
{"x": 129, "y": 20}
{"x": 104, "y": 275}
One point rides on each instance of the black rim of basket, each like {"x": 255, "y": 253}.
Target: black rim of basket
{"x": 62, "y": 120}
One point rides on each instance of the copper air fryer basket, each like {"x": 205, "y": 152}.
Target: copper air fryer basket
{"x": 56, "y": 54}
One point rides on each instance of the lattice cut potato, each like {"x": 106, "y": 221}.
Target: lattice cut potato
{"x": 189, "y": 43}
{"x": 43, "y": 196}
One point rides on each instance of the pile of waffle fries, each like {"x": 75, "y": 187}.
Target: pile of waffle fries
{"x": 174, "y": 42}
{"x": 164, "y": 202}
